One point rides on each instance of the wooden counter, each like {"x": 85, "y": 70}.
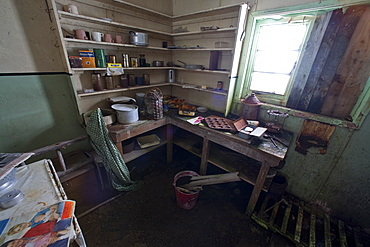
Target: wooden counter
{"x": 217, "y": 148}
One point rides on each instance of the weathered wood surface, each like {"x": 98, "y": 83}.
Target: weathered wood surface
{"x": 308, "y": 59}
{"x": 353, "y": 72}
{"x": 59, "y": 145}
{"x": 320, "y": 60}
{"x": 347, "y": 26}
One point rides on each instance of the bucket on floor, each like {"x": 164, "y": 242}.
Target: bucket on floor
{"x": 185, "y": 200}
{"x": 277, "y": 187}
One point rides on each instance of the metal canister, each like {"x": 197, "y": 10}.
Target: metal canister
{"x": 100, "y": 60}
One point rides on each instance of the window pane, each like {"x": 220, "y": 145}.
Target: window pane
{"x": 281, "y": 36}
{"x": 275, "y": 61}
{"x": 271, "y": 83}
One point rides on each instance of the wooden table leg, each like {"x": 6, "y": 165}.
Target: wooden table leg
{"x": 169, "y": 130}
{"x": 257, "y": 188}
{"x": 204, "y": 159}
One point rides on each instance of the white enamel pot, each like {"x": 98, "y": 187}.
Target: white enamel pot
{"x": 126, "y": 114}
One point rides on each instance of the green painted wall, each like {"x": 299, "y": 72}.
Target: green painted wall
{"x": 36, "y": 111}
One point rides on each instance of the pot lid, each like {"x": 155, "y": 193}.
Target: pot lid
{"x": 124, "y": 107}
{"x": 121, "y": 99}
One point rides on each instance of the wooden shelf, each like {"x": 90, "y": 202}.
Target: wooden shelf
{"x": 231, "y": 161}
{"x": 226, "y": 72}
{"x": 139, "y": 152}
{"x": 106, "y": 22}
{"x": 71, "y": 43}
{"x": 202, "y": 12}
{"x": 198, "y": 88}
{"x": 129, "y": 68}
{"x": 229, "y": 29}
{"x": 223, "y": 158}
{"x": 123, "y": 89}
{"x": 201, "y": 49}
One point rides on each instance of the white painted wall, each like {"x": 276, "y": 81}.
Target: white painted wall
{"x": 28, "y": 38}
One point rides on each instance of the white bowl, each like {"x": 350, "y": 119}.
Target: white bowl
{"x": 202, "y": 109}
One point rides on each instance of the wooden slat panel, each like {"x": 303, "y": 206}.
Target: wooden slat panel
{"x": 352, "y": 73}
{"x": 298, "y": 227}
{"x": 347, "y": 26}
{"x": 308, "y": 59}
{"x": 273, "y": 215}
{"x": 263, "y": 206}
{"x": 312, "y": 239}
{"x": 286, "y": 218}
{"x": 357, "y": 236}
{"x": 327, "y": 230}
{"x": 321, "y": 58}
{"x": 342, "y": 234}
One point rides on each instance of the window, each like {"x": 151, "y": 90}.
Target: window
{"x": 274, "y": 54}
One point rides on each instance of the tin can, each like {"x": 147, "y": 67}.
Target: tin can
{"x": 100, "y": 61}
{"x": 220, "y": 85}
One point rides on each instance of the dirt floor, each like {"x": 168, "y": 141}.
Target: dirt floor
{"x": 149, "y": 216}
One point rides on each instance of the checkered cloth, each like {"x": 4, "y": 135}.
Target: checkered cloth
{"x": 112, "y": 159}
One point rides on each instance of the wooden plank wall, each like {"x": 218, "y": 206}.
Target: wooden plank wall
{"x": 340, "y": 66}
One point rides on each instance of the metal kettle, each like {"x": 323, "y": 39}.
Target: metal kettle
{"x": 138, "y": 38}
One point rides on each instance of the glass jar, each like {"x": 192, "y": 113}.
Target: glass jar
{"x": 97, "y": 82}
{"x": 146, "y": 79}
{"x": 109, "y": 82}
{"x": 142, "y": 60}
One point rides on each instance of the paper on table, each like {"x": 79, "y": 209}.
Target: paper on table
{"x": 195, "y": 120}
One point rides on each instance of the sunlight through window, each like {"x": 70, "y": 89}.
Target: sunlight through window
{"x": 276, "y": 55}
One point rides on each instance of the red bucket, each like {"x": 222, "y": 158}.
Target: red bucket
{"x": 185, "y": 200}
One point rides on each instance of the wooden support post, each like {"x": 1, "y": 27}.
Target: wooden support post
{"x": 169, "y": 130}
{"x": 204, "y": 159}
{"x": 61, "y": 160}
{"x": 257, "y": 188}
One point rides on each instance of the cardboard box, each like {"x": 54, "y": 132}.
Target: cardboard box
{"x": 88, "y": 59}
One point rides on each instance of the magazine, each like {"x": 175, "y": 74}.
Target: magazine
{"x": 50, "y": 227}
